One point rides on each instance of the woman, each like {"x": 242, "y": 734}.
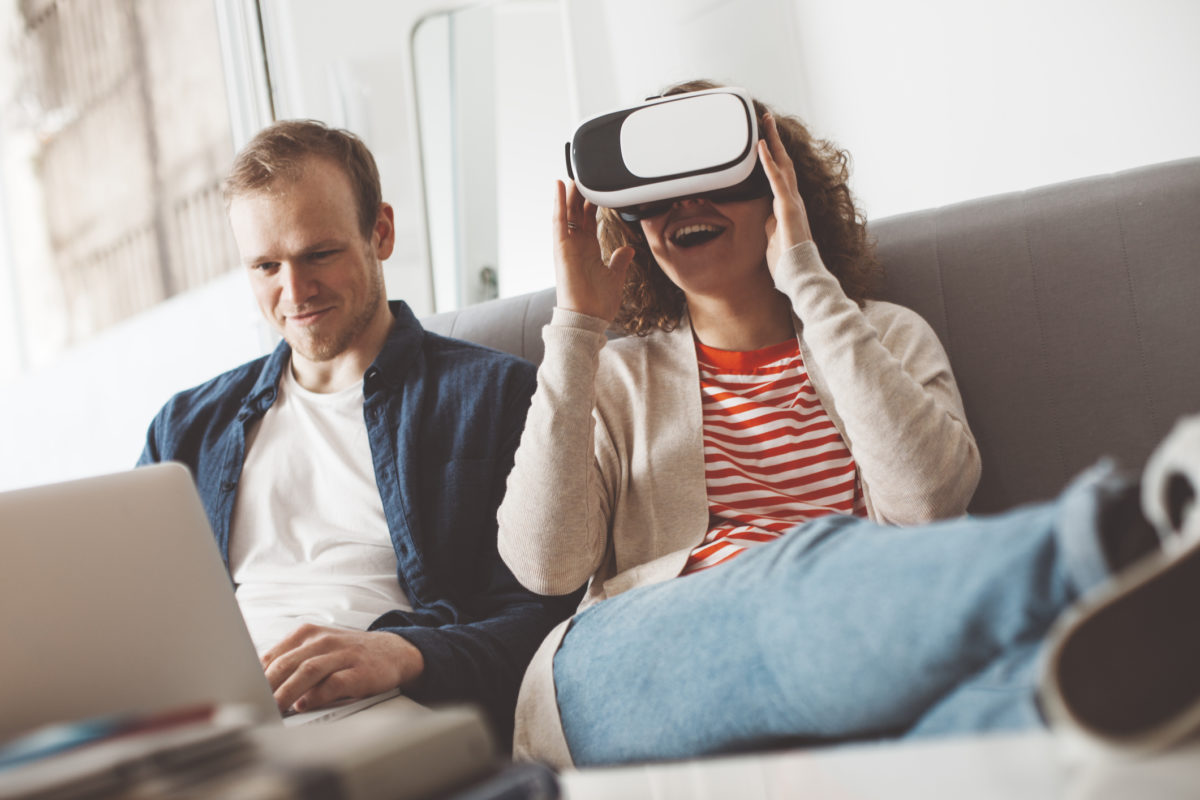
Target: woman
{"x": 719, "y": 463}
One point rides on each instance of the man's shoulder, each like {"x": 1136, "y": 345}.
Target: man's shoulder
{"x": 447, "y": 353}
{"x": 230, "y": 387}
{"x": 193, "y": 416}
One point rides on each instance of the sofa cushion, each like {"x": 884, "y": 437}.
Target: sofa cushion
{"x": 1071, "y": 314}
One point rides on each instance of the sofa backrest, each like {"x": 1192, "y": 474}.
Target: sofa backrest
{"x": 1071, "y": 314}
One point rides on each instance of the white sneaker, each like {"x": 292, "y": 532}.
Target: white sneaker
{"x": 1123, "y": 665}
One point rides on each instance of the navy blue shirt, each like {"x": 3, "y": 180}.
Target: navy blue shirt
{"x": 444, "y": 418}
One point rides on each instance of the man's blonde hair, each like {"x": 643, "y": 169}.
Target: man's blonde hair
{"x": 281, "y": 150}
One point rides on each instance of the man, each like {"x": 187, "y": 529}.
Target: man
{"x": 352, "y": 476}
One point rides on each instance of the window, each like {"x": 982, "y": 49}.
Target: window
{"x": 114, "y": 135}
{"x": 494, "y": 113}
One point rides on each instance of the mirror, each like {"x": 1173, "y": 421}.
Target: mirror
{"x": 493, "y": 114}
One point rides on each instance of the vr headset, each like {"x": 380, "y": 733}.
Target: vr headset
{"x": 640, "y": 160}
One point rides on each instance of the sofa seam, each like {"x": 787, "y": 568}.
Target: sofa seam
{"x": 525, "y": 328}
{"x": 1133, "y": 308}
{"x": 1041, "y": 329}
{"x": 941, "y": 285}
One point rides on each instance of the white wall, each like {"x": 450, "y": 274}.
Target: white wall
{"x": 945, "y": 100}
{"x": 87, "y": 413}
{"x": 493, "y": 100}
{"x": 434, "y": 88}
{"x": 936, "y": 100}
{"x": 625, "y": 50}
{"x": 533, "y": 122}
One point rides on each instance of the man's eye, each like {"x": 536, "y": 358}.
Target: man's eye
{"x": 321, "y": 255}
{"x": 266, "y": 266}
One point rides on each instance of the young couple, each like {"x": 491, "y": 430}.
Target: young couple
{"x": 746, "y": 487}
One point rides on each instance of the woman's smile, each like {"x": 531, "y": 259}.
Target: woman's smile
{"x": 692, "y": 235}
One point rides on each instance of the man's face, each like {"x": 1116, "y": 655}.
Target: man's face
{"x": 314, "y": 276}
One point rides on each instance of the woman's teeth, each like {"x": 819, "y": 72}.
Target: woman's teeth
{"x": 691, "y": 235}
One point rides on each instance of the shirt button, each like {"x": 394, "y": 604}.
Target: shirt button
{"x": 228, "y": 486}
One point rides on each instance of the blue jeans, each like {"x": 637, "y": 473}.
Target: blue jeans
{"x": 841, "y": 630}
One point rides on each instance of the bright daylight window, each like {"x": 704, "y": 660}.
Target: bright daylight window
{"x": 114, "y": 135}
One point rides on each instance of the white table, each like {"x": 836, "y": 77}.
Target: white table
{"x": 1035, "y": 766}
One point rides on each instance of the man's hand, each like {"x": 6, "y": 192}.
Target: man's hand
{"x": 316, "y": 666}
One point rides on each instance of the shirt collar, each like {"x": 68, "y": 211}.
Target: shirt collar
{"x": 399, "y": 350}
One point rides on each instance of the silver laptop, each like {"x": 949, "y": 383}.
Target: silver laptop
{"x": 114, "y": 599}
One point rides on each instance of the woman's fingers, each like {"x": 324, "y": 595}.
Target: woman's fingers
{"x": 777, "y": 164}
{"x": 572, "y": 213}
{"x": 577, "y": 208}
{"x": 574, "y": 216}
{"x": 618, "y": 265}
{"x": 771, "y": 169}
{"x": 558, "y": 229}
{"x": 783, "y": 182}
{"x": 585, "y": 283}
{"x": 779, "y": 153}
{"x": 789, "y": 224}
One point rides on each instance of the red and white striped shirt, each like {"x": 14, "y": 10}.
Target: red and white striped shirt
{"x": 773, "y": 457}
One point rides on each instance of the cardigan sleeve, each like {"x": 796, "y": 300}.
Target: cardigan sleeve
{"x": 554, "y": 520}
{"x": 892, "y": 387}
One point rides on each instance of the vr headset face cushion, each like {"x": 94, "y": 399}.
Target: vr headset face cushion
{"x": 665, "y": 148}
{"x": 756, "y": 185}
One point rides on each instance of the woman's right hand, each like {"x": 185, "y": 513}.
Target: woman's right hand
{"x": 585, "y": 283}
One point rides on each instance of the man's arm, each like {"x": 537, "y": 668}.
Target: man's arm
{"x": 480, "y": 661}
{"x": 150, "y": 453}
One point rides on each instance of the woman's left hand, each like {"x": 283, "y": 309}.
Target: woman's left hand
{"x": 788, "y": 225}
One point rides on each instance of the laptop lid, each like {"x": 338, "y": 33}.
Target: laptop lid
{"x": 113, "y": 599}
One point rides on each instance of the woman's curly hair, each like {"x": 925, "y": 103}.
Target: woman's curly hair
{"x": 650, "y": 300}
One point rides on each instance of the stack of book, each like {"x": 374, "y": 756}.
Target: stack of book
{"x": 218, "y": 752}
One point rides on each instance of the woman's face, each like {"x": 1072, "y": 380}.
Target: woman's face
{"x": 706, "y": 247}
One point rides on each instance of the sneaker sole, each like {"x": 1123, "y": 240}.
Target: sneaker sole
{"x": 1124, "y": 666}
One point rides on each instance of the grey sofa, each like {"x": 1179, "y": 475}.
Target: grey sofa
{"x": 1071, "y": 314}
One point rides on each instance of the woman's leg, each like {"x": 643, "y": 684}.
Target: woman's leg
{"x": 1000, "y": 697}
{"x": 843, "y": 629}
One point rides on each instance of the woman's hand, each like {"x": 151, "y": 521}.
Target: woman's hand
{"x": 585, "y": 283}
{"x": 788, "y": 225}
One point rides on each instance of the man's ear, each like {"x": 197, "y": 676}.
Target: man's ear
{"x": 383, "y": 235}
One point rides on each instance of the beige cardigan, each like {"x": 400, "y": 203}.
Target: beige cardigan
{"x": 608, "y": 484}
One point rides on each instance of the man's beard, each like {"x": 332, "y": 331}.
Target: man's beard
{"x": 329, "y": 345}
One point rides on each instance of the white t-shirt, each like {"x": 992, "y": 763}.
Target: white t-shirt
{"x": 309, "y": 541}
